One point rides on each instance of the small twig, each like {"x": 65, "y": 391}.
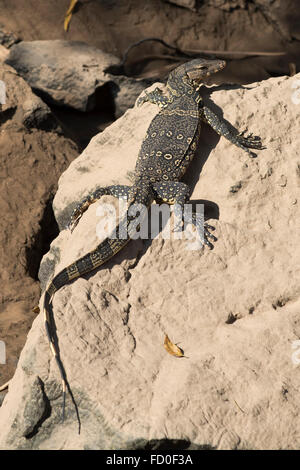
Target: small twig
{"x": 192, "y": 53}
{"x": 164, "y": 43}
{"x": 5, "y": 386}
{"x": 160, "y": 57}
{"x": 239, "y": 406}
{"x": 245, "y": 53}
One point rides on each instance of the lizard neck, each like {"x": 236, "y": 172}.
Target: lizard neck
{"x": 180, "y": 87}
{"x": 183, "y": 91}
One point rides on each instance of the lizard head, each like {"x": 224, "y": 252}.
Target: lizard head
{"x": 198, "y": 69}
{"x": 190, "y": 74}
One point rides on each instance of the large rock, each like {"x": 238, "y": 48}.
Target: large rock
{"x": 64, "y": 72}
{"x": 234, "y": 310}
{"x": 33, "y": 155}
{"x": 74, "y": 74}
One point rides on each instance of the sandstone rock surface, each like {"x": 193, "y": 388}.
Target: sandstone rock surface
{"x": 234, "y": 310}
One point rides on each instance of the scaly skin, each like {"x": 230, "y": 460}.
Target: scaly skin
{"x": 167, "y": 150}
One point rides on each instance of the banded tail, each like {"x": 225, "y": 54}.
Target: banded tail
{"x": 106, "y": 250}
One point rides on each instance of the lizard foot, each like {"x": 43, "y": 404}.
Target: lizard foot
{"x": 204, "y": 232}
{"x": 143, "y": 99}
{"x": 250, "y": 140}
{"x": 203, "y": 229}
{"x": 79, "y": 211}
{"x": 156, "y": 97}
{"x": 118, "y": 190}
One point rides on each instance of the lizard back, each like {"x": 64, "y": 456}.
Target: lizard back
{"x": 165, "y": 151}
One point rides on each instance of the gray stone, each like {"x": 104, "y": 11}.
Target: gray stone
{"x": 127, "y": 91}
{"x": 71, "y": 73}
{"x": 63, "y": 72}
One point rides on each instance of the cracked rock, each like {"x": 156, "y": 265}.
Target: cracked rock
{"x": 129, "y": 392}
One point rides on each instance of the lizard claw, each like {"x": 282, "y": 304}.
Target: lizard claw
{"x": 75, "y": 217}
{"x": 209, "y": 227}
{"x": 143, "y": 99}
{"x": 203, "y": 229}
{"x": 241, "y": 134}
{"x": 177, "y": 227}
{"x": 207, "y": 243}
{"x": 71, "y": 226}
{"x": 207, "y": 235}
{"x": 79, "y": 211}
{"x": 204, "y": 234}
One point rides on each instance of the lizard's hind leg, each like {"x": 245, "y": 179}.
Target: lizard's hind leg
{"x": 119, "y": 191}
{"x": 177, "y": 193}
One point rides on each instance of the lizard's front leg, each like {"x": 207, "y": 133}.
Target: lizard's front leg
{"x": 156, "y": 97}
{"x": 119, "y": 191}
{"x": 177, "y": 193}
{"x": 238, "y": 139}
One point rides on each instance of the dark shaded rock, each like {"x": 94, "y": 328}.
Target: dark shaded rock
{"x": 190, "y": 4}
{"x": 7, "y": 39}
{"x": 66, "y": 73}
{"x": 126, "y": 91}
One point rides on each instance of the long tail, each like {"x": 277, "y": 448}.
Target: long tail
{"x": 106, "y": 250}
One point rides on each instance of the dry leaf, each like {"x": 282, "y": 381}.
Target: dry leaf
{"x": 68, "y": 15}
{"x": 36, "y": 309}
{"x": 172, "y": 348}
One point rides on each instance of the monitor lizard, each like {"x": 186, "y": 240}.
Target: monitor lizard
{"x": 167, "y": 150}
